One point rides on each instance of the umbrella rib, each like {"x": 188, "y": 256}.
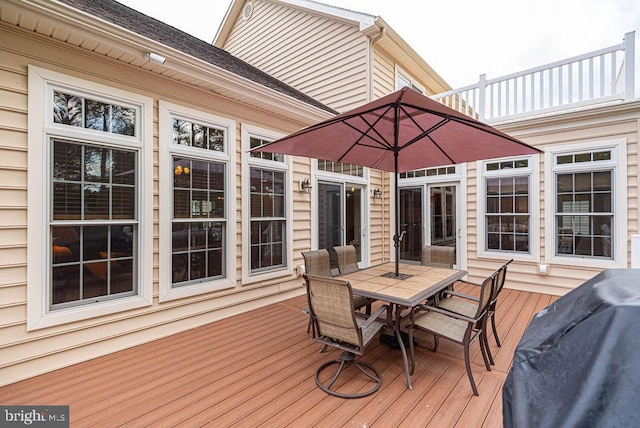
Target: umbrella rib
{"x": 382, "y": 143}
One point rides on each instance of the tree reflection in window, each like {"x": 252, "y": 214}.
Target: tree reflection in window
{"x": 86, "y": 113}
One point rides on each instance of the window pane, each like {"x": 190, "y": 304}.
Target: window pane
{"x": 95, "y": 242}
{"x": 583, "y": 182}
{"x": 124, "y": 167}
{"x": 564, "y": 183}
{"x": 493, "y": 186}
{"x": 67, "y": 109}
{"x": 122, "y": 239}
{"x": 67, "y": 161}
{"x": 199, "y": 174}
{"x": 216, "y": 139}
{"x": 216, "y": 176}
{"x": 522, "y": 204}
{"x": 181, "y": 132}
{"x": 602, "y": 181}
{"x": 521, "y": 185}
{"x": 123, "y": 120}
{"x": 199, "y": 137}
{"x": 96, "y": 202}
{"x": 97, "y": 165}
{"x": 124, "y": 199}
{"x": 97, "y": 115}
{"x": 67, "y": 201}
{"x": 122, "y": 276}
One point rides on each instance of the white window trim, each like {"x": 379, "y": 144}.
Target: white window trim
{"x": 40, "y": 130}
{"x": 533, "y": 171}
{"x": 618, "y": 148}
{"x": 399, "y": 71}
{"x": 166, "y": 111}
{"x": 248, "y": 131}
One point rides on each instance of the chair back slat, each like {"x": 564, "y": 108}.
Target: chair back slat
{"x": 317, "y": 262}
{"x": 347, "y": 257}
{"x": 438, "y": 256}
{"x": 486, "y": 292}
{"x": 331, "y": 305}
{"x": 500, "y": 276}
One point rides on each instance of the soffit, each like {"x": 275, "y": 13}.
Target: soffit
{"x": 85, "y": 31}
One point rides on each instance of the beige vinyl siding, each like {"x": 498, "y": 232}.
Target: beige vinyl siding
{"x": 28, "y": 353}
{"x": 322, "y": 57}
{"x": 384, "y": 80}
{"x": 580, "y": 127}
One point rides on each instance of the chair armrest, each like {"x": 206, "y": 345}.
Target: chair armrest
{"x": 374, "y": 316}
{"x": 451, "y": 314}
{"x": 464, "y": 296}
{"x": 462, "y": 281}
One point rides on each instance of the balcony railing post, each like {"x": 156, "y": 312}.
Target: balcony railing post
{"x": 482, "y": 91}
{"x": 629, "y": 64}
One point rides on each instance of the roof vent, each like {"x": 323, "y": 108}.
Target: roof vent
{"x": 247, "y": 11}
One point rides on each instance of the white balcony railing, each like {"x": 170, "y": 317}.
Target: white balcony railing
{"x": 597, "y": 77}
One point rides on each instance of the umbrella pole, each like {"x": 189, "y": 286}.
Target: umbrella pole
{"x": 397, "y": 238}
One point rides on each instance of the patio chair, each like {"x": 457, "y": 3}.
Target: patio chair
{"x": 437, "y": 256}
{"x": 465, "y": 307}
{"x": 347, "y": 259}
{"x": 458, "y": 328}
{"x": 335, "y": 324}
{"x": 317, "y": 262}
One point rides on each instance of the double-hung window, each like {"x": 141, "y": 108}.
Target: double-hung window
{"x": 196, "y": 151}
{"x": 588, "y": 200}
{"x": 267, "y": 207}
{"x": 88, "y": 156}
{"x": 508, "y": 192}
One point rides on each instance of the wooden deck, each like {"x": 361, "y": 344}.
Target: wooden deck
{"x": 256, "y": 369}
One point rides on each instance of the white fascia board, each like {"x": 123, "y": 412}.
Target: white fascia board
{"x": 363, "y": 19}
{"x": 138, "y": 45}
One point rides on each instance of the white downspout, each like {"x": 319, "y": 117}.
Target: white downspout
{"x": 371, "y": 65}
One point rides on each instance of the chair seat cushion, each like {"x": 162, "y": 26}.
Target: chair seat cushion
{"x": 442, "y": 325}
{"x": 459, "y": 306}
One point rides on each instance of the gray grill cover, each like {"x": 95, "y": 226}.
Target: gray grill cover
{"x": 578, "y": 362}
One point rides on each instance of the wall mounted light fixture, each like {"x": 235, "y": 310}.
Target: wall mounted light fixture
{"x": 305, "y": 185}
{"x": 376, "y": 193}
{"x": 154, "y": 57}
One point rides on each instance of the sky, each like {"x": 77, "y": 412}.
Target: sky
{"x": 460, "y": 39}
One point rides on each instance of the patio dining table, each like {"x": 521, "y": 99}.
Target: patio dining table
{"x": 413, "y": 286}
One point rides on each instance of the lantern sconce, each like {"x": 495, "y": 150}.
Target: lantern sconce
{"x": 305, "y": 185}
{"x": 376, "y": 193}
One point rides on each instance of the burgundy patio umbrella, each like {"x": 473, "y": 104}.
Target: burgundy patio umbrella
{"x": 400, "y": 132}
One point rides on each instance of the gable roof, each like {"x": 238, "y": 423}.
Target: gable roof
{"x": 137, "y": 22}
{"x": 369, "y": 25}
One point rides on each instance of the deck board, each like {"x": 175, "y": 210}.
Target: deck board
{"x": 238, "y": 372}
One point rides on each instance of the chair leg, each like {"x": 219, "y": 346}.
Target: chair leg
{"x": 412, "y": 355}
{"x": 495, "y": 331}
{"x": 345, "y": 360}
{"x": 435, "y": 343}
{"x": 467, "y": 363}
{"x": 485, "y": 340}
{"x": 309, "y": 325}
{"x": 484, "y": 349}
